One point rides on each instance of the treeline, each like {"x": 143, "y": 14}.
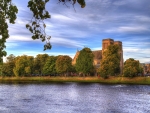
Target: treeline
{"x": 45, "y": 65}
{"x": 41, "y": 65}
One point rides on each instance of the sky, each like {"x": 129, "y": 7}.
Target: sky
{"x": 73, "y": 29}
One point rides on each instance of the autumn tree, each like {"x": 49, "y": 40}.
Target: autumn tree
{"x": 110, "y": 64}
{"x": 36, "y": 26}
{"x": 39, "y": 63}
{"x": 8, "y": 66}
{"x": 63, "y": 64}
{"x": 50, "y": 66}
{"x": 131, "y": 68}
{"x": 30, "y": 65}
{"x": 23, "y": 65}
{"x": 84, "y": 62}
{"x": 6, "y": 70}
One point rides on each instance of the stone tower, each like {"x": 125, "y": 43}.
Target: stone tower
{"x": 106, "y": 43}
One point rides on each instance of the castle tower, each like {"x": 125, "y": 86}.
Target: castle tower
{"x": 106, "y": 43}
{"x": 121, "y": 55}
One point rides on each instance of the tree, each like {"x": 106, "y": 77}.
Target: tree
{"x": 7, "y": 15}
{"x": 5, "y": 71}
{"x": 63, "y": 64}
{"x": 131, "y": 68}
{"x": 81, "y": 2}
{"x": 23, "y": 65}
{"x": 9, "y": 65}
{"x": 50, "y": 66}
{"x": 28, "y": 70}
{"x": 30, "y": 65}
{"x": 39, "y": 63}
{"x": 84, "y": 62}
{"x": 36, "y": 26}
{"x": 19, "y": 66}
{"x": 110, "y": 64}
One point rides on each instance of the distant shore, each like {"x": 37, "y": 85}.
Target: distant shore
{"x": 111, "y": 80}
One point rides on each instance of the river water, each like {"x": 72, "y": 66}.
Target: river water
{"x": 74, "y": 98}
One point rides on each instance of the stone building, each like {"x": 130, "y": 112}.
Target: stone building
{"x": 146, "y": 68}
{"x": 98, "y": 54}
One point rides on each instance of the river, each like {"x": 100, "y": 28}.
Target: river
{"x": 74, "y": 98}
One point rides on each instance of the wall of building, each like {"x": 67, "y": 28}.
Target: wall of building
{"x": 75, "y": 57}
{"x": 105, "y": 44}
{"x": 146, "y": 68}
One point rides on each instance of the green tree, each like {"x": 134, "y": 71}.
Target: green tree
{"x": 36, "y": 26}
{"x": 9, "y": 65}
{"x": 19, "y": 66}
{"x": 7, "y": 15}
{"x": 63, "y": 64}
{"x": 141, "y": 70}
{"x": 131, "y": 68}
{"x": 39, "y": 63}
{"x": 50, "y": 66}
{"x": 30, "y": 63}
{"x": 84, "y": 62}
{"x": 110, "y": 64}
{"x": 5, "y": 68}
{"x": 23, "y": 65}
{"x": 28, "y": 70}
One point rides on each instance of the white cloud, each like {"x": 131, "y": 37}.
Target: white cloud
{"x": 59, "y": 17}
{"x": 136, "y": 50}
{"x": 22, "y": 22}
{"x": 19, "y": 38}
{"x": 66, "y": 42}
{"x": 132, "y": 29}
{"x": 119, "y": 3}
{"x": 137, "y": 53}
{"x": 34, "y": 53}
{"x": 11, "y": 45}
{"x": 141, "y": 18}
{"x": 128, "y": 29}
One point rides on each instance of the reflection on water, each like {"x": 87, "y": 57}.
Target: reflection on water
{"x": 74, "y": 98}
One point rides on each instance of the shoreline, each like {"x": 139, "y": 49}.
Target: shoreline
{"x": 111, "y": 80}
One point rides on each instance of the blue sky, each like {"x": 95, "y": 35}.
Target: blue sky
{"x": 122, "y": 20}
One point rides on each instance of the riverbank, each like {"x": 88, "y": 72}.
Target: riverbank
{"x": 111, "y": 80}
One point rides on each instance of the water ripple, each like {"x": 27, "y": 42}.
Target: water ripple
{"x": 74, "y": 98}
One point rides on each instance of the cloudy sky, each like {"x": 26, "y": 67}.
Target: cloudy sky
{"x": 122, "y": 20}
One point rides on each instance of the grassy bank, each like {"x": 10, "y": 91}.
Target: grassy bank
{"x": 111, "y": 80}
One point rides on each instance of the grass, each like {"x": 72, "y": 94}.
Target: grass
{"x": 111, "y": 80}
